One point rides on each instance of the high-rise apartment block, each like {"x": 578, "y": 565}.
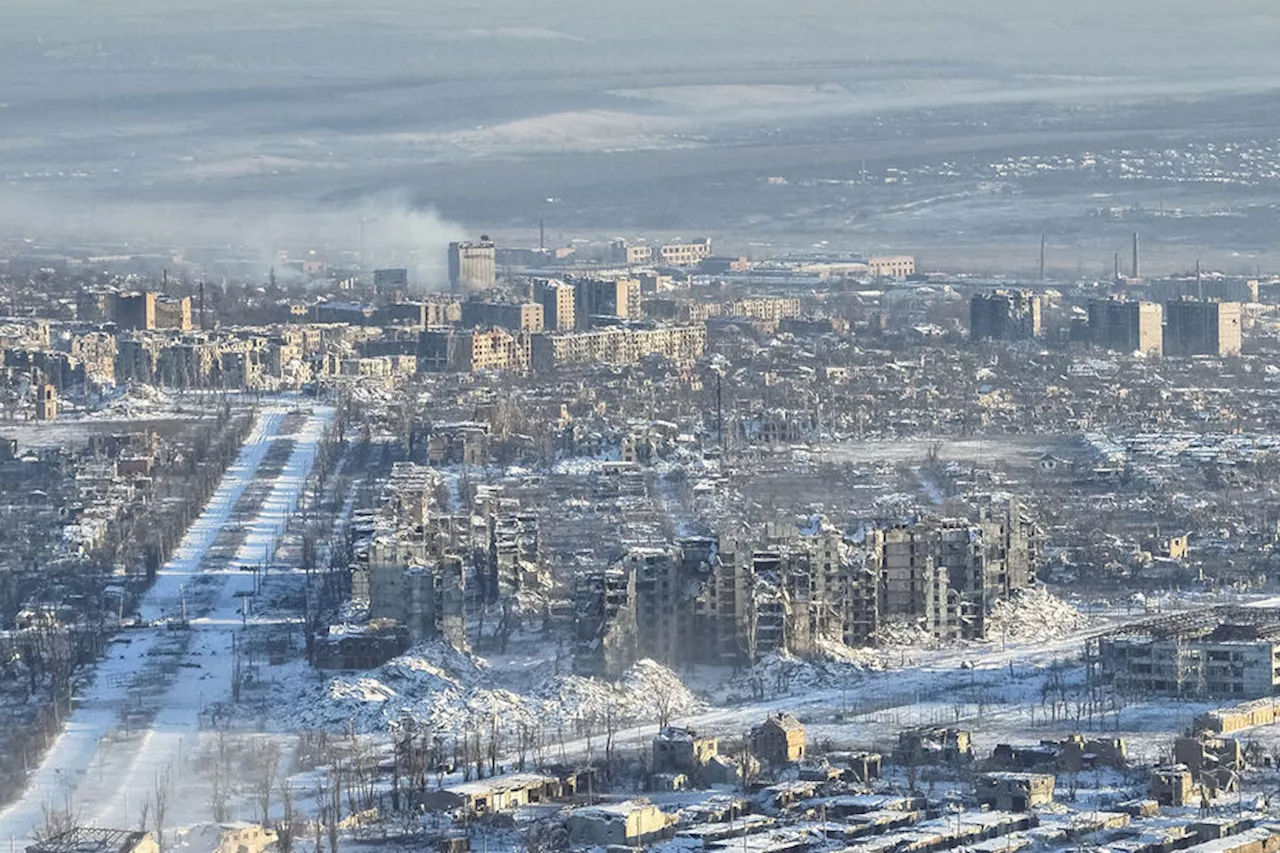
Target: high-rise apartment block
{"x": 1202, "y": 328}
{"x": 472, "y": 266}
{"x": 557, "y": 300}
{"x": 1127, "y": 326}
{"x": 605, "y": 298}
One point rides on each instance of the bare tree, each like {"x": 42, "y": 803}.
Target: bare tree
{"x": 218, "y": 794}
{"x": 664, "y": 705}
{"x": 56, "y": 819}
{"x": 285, "y": 831}
{"x": 334, "y": 808}
{"x": 266, "y": 766}
{"x": 612, "y": 721}
{"x": 163, "y": 785}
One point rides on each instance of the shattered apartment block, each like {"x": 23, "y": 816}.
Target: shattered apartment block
{"x": 420, "y": 566}
{"x": 515, "y": 552}
{"x": 945, "y": 574}
{"x": 412, "y": 577}
{"x": 1005, "y": 315}
{"x": 728, "y": 601}
{"x": 604, "y": 621}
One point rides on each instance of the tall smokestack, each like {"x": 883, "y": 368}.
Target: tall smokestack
{"x": 1042, "y": 241}
{"x": 1137, "y": 271}
{"x": 1115, "y": 276}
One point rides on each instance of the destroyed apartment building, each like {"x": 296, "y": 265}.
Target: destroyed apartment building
{"x": 419, "y": 567}
{"x": 719, "y": 600}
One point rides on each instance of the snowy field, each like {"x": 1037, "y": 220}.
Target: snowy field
{"x": 131, "y": 724}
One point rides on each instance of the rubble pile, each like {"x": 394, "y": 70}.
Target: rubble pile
{"x": 450, "y": 690}
{"x": 1034, "y": 613}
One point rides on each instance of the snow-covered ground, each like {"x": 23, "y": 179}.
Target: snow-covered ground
{"x": 132, "y": 723}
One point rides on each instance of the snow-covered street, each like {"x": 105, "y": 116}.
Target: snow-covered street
{"x": 143, "y": 705}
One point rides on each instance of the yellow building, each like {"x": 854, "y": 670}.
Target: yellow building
{"x": 892, "y": 266}
{"x": 685, "y": 254}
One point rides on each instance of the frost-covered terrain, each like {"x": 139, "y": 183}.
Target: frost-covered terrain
{"x": 133, "y": 721}
{"x": 451, "y": 691}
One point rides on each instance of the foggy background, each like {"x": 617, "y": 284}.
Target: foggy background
{"x": 274, "y": 121}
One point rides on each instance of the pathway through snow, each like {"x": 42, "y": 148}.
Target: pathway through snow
{"x": 104, "y": 778}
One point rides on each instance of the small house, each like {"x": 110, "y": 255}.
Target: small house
{"x": 779, "y": 741}
{"x": 626, "y": 824}
{"x": 1014, "y": 792}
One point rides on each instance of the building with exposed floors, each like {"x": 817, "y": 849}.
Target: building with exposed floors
{"x": 558, "y": 299}
{"x": 472, "y": 350}
{"x": 1224, "y": 652}
{"x": 1004, "y": 315}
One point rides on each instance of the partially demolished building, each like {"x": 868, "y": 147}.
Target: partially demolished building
{"x": 422, "y": 563}
{"x": 729, "y": 600}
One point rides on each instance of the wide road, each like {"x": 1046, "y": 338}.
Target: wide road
{"x": 131, "y": 723}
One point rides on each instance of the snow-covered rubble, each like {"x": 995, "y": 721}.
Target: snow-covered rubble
{"x": 779, "y": 674}
{"x": 1033, "y": 613}
{"x": 449, "y": 691}
{"x": 904, "y": 631}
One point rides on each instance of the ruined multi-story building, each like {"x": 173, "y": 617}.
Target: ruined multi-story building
{"x": 945, "y": 574}
{"x": 614, "y": 299}
{"x": 557, "y": 299}
{"x": 1004, "y": 315}
{"x": 1228, "y": 652}
{"x": 604, "y": 621}
{"x": 472, "y": 265}
{"x": 173, "y": 312}
{"x": 408, "y": 573}
{"x": 515, "y": 552}
{"x": 513, "y": 316}
{"x": 622, "y": 345}
{"x": 468, "y": 351}
{"x": 424, "y": 564}
{"x": 735, "y": 599}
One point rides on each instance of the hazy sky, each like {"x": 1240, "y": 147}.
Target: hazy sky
{"x": 1076, "y": 36}
{"x": 290, "y": 103}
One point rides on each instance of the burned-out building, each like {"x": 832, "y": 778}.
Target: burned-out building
{"x": 778, "y": 741}
{"x": 1198, "y": 327}
{"x": 1014, "y": 792}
